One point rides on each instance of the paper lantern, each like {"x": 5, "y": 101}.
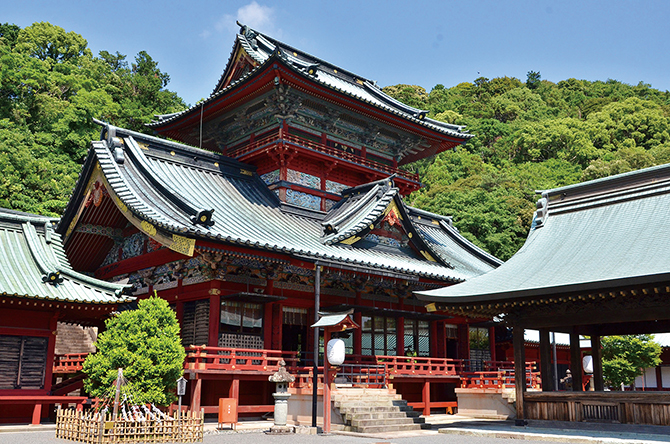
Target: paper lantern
{"x": 335, "y": 351}
{"x": 587, "y": 363}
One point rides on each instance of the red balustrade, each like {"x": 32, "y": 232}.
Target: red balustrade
{"x": 69, "y": 362}
{"x": 418, "y": 366}
{"x": 238, "y": 359}
{"x": 268, "y": 140}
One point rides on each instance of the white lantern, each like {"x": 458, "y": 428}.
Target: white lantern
{"x": 335, "y": 352}
{"x": 587, "y": 364}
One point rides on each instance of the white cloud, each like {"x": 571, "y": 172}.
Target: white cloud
{"x": 259, "y": 17}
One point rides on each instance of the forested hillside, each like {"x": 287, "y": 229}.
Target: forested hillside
{"x": 530, "y": 135}
{"x": 51, "y": 87}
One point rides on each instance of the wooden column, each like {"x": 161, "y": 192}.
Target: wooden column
{"x": 576, "y": 362}
{"x": 545, "y": 361}
{"x": 277, "y": 324}
{"x": 234, "y": 390}
{"x": 492, "y": 343}
{"x": 426, "y": 398}
{"x": 358, "y": 318}
{"x": 432, "y": 339}
{"x": 400, "y": 336}
{"x": 214, "y": 319}
{"x": 196, "y": 394}
{"x": 519, "y": 369}
{"x": 267, "y": 326}
{"x": 597, "y": 354}
{"x": 463, "y": 341}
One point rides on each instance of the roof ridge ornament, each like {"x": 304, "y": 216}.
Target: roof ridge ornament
{"x": 249, "y": 34}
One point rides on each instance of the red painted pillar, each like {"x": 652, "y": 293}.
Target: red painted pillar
{"x": 426, "y": 398}
{"x": 277, "y": 322}
{"x": 358, "y": 318}
{"x": 492, "y": 343}
{"x": 463, "y": 341}
{"x": 196, "y": 394}
{"x": 214, "y": 319}
{"x": 267, "y": 326}
{"x": 326, "y": 383}
{"x": 400, "y": 336}
{"x": 433, "y": 338}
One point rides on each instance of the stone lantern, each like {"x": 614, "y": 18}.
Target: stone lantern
{"x": 282, "y": 378}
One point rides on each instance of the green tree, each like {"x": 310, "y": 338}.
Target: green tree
{"x": 533, "y": 79}
{"x": 625, "y": 357}
{"x": 145, "y": 343}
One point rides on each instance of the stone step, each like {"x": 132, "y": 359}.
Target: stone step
{"x": 365, "y": 397}
{"x": 372, "y": 415}
{"x": 363, "y": 423}
{"x": 375, "y": 403}
{"x": 388, "y": 428}
{"x": 346, "y": 410}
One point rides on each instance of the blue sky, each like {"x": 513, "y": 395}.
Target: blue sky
{"x": 417, "y": 42}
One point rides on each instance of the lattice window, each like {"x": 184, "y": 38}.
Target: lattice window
{"x": 378, "y": 336}
{"x": 417, "y": 337}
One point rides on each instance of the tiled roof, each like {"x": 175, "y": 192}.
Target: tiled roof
{"x": 34, "y": 264}
{"x": 588, "y": 236}
{"x": 166, "y": 184}
{"x": 263, "y": 48}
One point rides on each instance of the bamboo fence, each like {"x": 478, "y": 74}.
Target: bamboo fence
{"x": 94, "y": 427}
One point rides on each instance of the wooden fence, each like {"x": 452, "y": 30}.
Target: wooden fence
{"x": 92, "y": 427}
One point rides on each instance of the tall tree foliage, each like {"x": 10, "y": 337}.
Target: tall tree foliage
{"x": 145, "y": 343}
{"x": 51, "y": 87}
{"x": 532, "y": 136}
{"x": 626, "y": 357}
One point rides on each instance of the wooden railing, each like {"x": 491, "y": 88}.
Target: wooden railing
{"x": 274, "y": 137}
{"x": 69, "y": 362}
{"x": 418, "y": 366}
{"x": 502, "y": 377}
{"x": 238, "y": 359}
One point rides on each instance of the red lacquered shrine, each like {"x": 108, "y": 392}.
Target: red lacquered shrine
{"x": 282, "y": 189}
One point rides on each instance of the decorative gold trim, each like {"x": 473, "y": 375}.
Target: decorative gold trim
{"x": 183, "y": 245}
{"x": 427, "y": 255}
{"x": 148, "y": 228}
{"x": 246, "y": 172}
{"x": 351, "y": 240}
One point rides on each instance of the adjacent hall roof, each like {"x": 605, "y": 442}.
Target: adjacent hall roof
{"x": 175, "y": 187}
{"x": 595, "y": 235}
{"x": 34, "y": 265}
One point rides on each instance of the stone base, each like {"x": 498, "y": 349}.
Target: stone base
{"x": 281, "y": 430}
{"x": 486, "y": 403}
{"x": 287, "y": 430}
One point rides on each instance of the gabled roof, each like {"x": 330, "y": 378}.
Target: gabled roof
{"x": 265, "y": 51}
{"x": 434, "y": 237}
{"x": 167, "y": 186}
{"x": 34, "y": 265}
{"x": 261, "y": 47}
{"x": 600, "y": 234}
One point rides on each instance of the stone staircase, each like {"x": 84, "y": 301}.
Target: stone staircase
{"x": 366, "y": 410}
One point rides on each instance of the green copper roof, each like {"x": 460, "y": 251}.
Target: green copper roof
{"x": 34, "y": 264}
{"x": 166, "y": 184}
{"x": 595, "y": 235}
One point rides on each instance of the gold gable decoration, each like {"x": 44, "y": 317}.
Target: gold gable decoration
{"x": 183, "y": 245}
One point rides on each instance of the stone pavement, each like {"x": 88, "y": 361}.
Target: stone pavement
{"x": 461, "y": 429}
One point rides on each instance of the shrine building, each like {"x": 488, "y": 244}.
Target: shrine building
{"x": 39, "y": 293}
{"x": 280, "y": 195}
